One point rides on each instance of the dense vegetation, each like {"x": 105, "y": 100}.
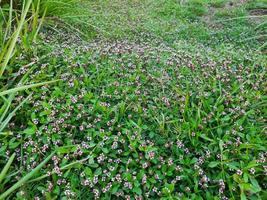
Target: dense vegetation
{"x": 151, "y": 99}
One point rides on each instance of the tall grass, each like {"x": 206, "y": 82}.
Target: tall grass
{"x": 8, "y": 47}
{"x": 14, "y": 23}
{"x": 25, "y": 178}
{"x": 20, "y": 22}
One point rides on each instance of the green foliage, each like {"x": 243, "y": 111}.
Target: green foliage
{"x": 9, "y": 45}
{"x": 180, "y": 123}
{"x": 257, "y": 4}
{"x": 59, "y": 7}
{"x": 167, "y": 103}
{"x": 25, "y": 178}
{"x": 218, "y": 3}
{"x": 190, "y": 10}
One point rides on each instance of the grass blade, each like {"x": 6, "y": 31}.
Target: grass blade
{"x": 8, "y": 101}
{"x": 25, "y": 178}
{"x": 39, "y": 26}
{"x": 24, "y": 87}
{"x": 6, "y": 168}
{"x": 14, "y": 38}
{"x": 68, "y": 166}
{"x": 9, "y": 117}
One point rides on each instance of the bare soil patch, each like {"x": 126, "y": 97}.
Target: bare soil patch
{"x": 259, "y": 12}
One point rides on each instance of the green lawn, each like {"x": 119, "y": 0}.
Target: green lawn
{"x": 158, "y": 99}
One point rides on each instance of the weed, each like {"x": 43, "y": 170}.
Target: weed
{"x": 158, "y": 104}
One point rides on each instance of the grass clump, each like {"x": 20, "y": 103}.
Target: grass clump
{"x": 190, "y": 10}
{"x": 218, "y": 3}
{"x": 257, "y": 4}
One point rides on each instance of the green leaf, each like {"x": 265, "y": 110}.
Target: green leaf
{"x": 115, "y": 189}
{"x": 105, "y": 150}
{"x": 221, "y": 145}
{"x": 237, "y": 178}
{"x": 213, "y": 164}
{"x": 243, "y": 196}
{"x": 219, "y": 131}
{"x": 206, "y": 138}
{"x": 29, "y": 131}
{"x": 152, "y": 180}
{"x": 98, "y": 171}
{"x": 233, "y": 165}
{"x": 194, "y": 160}
{"x": 255, "y": 185}
{"x": 170, "y": 187}
{"x": 245, "y": 177}
{"x": 13, "y": 144}
{"x": 66, "y": 149}
{"x": 137, "y": 190}
{"x": 94, "y": 165}
{"x": 88, "y": 171}
{"x": 91, "y": 161}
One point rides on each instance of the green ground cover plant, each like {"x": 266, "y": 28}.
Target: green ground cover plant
{"x": 147, "y": 99}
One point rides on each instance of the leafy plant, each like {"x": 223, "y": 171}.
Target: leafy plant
{"x": 169, "y": 105}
